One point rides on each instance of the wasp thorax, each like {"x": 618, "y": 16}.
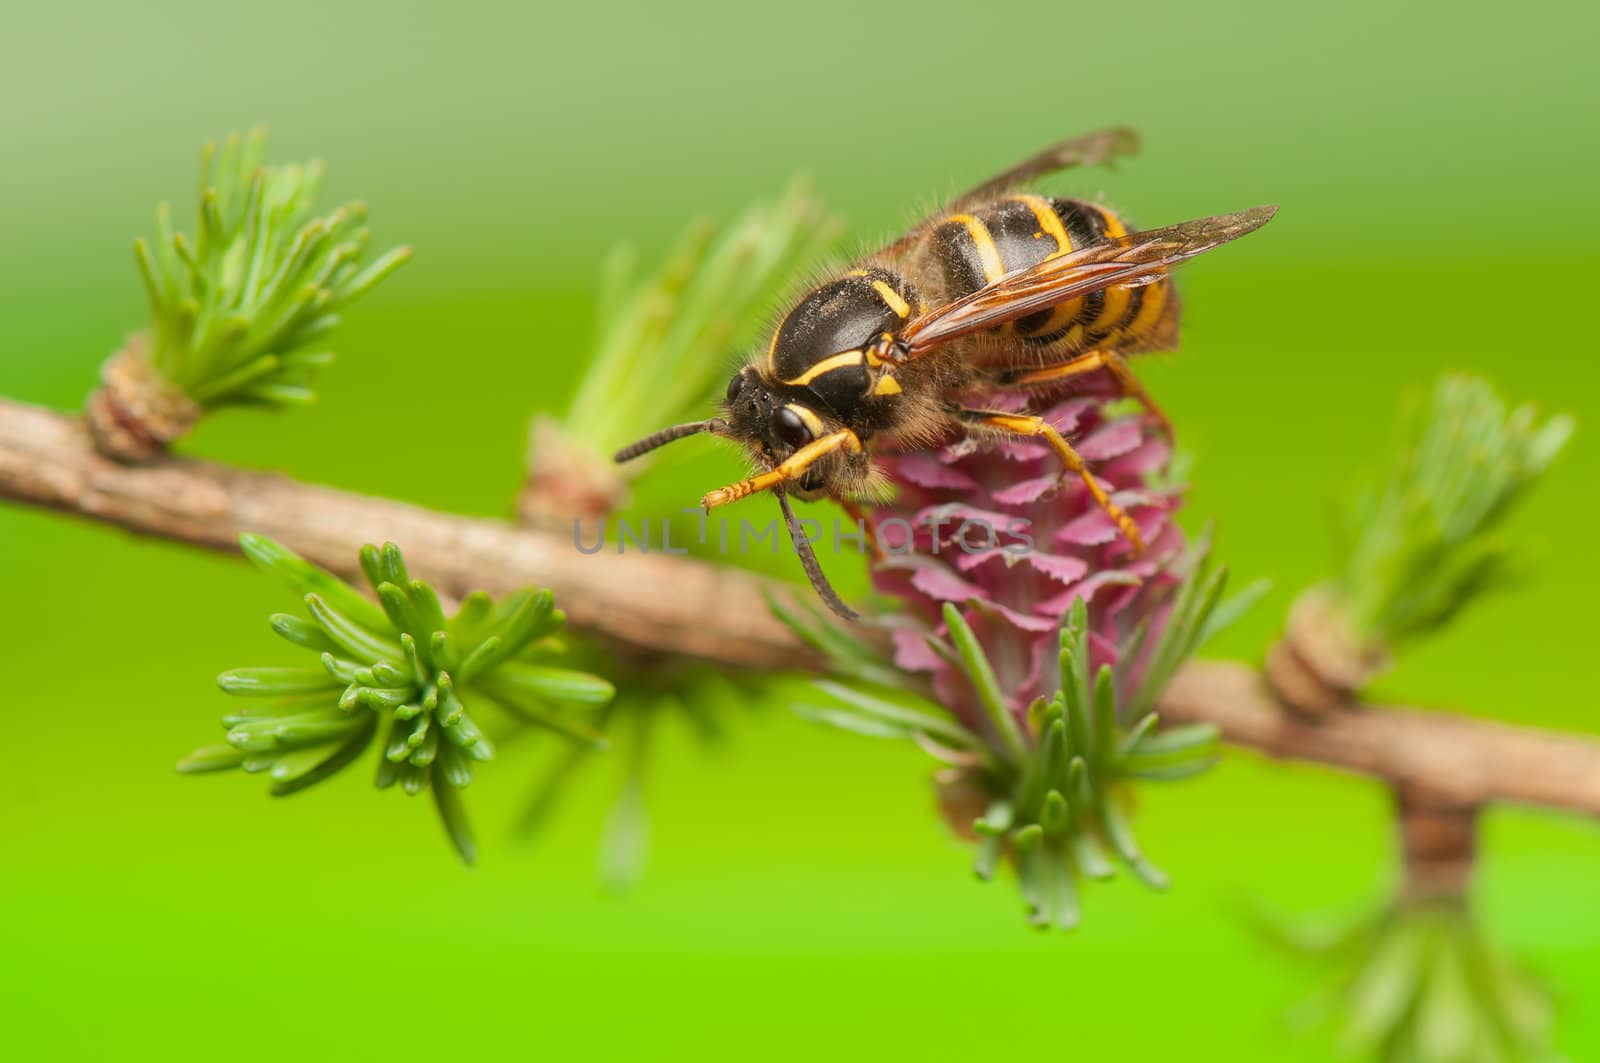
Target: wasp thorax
{"x": 820, "y": 344}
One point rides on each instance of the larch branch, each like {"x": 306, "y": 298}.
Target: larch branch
{"x": 654, "y": 603}
{"x": 651, "y": 602}
{"x": 1453, "y": 759}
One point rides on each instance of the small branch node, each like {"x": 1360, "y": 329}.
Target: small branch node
{"x": 1438, "y": 844}
{"x": 136, "y": 414}
{"x": 566, "y": 481}
{"x": 1320, "y": 664}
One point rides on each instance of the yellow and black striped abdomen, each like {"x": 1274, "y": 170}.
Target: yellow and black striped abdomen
{"x": 975, "y": 249}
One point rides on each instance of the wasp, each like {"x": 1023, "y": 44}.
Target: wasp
{"x": 1004, "y": 290}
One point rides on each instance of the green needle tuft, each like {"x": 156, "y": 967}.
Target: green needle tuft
{"x": 1048, "y": 790}
{"x": 665, "y": 339}
{"x": 1424, "y": 544}
{"x": 375, "y": 674}
{"x": 239, "y": 311}
{"x": 1418, "y": 982}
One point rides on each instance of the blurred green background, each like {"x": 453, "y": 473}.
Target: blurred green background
{"x": 1436, "y": 169}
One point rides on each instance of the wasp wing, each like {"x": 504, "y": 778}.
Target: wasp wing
{"x": 1135, "y": 259}
{"x": 1092, "y": 149}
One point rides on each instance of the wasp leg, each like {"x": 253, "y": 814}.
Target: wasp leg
{"x": 859, "y": 515}
{"x": 790, "y": 468}
{"x": 1024, "y": 425}
{"x": 1115, "y": 364}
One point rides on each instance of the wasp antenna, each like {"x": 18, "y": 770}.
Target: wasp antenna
{"x": 808, "y": 561}
{"x": 665, "y": 436}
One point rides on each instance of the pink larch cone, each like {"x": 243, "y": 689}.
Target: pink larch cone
{"x": 1014, "y": 598}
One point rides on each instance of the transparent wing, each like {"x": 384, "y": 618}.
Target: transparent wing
{"x": 1091, "y": 149}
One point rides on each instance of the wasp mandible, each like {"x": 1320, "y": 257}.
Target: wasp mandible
{"x": 1003, "y": 290}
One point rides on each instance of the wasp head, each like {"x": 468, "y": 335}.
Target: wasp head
{"x": 774, "y": 427}
{"x": 771, "y": 425}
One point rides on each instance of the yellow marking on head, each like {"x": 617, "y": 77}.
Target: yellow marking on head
{"x": 810, "y": 419}
{"x": 891, "y": 298}
{"x": 1049, "y": 220}
{"x": 827, "y": 365}
{"x": 988, "y": 254}
{"x": 873, "y": 360}
{"x": 887, "y": 385}
{"x": 858, "y": 273}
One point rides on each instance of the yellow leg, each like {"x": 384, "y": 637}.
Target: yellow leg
{"x": 1024, "y": 425}
{"x": 791, "y": 468}
{"x": 1089, "y": 363}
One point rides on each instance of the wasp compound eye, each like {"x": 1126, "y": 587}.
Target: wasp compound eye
{"x": 789, "y": 429}
{"x": 735, "y": 386}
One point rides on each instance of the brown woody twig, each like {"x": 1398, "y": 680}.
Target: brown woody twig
{"x": 668, "y": 604}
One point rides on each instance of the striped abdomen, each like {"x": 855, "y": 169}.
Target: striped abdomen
{"x": 969, "y": 251}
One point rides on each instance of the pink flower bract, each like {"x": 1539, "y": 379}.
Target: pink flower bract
{"x": 998, "y": 527}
